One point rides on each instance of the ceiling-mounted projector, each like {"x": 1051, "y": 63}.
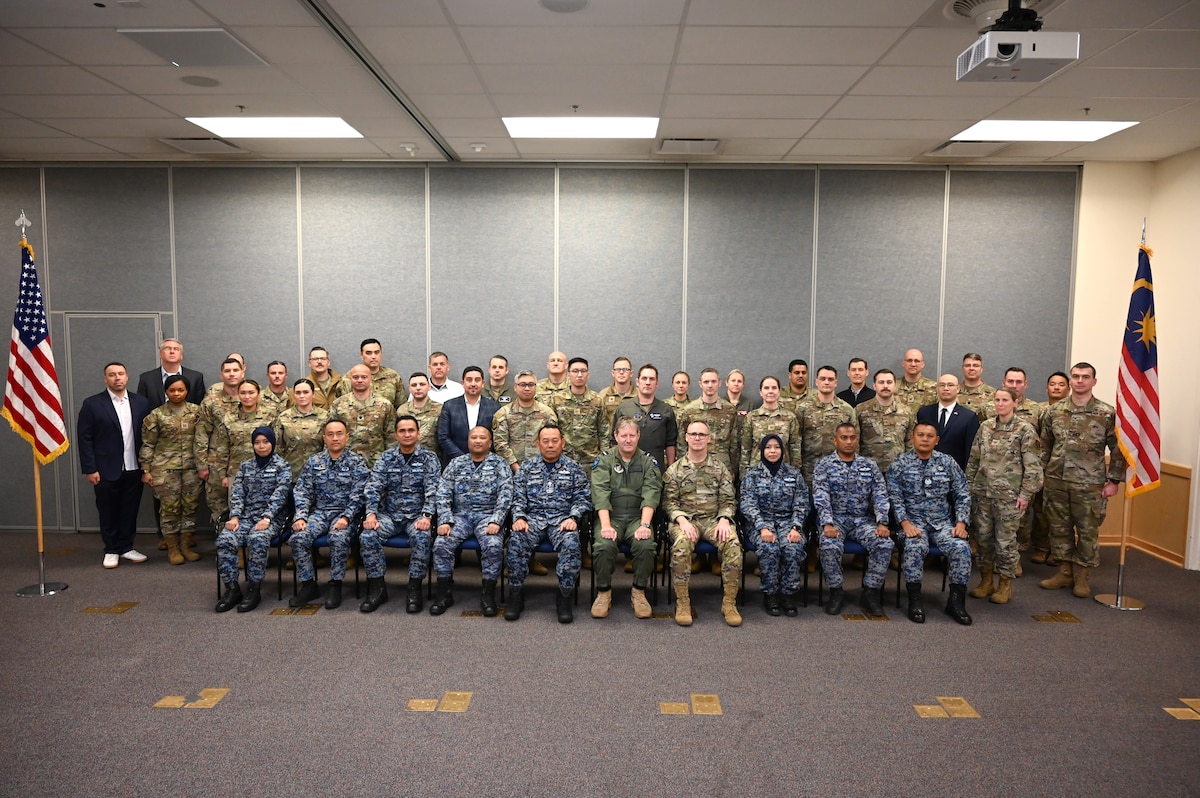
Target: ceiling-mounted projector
{"x": 1017, "y": 56}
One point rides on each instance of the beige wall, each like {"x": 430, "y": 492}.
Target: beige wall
{"x": 1114, "y": 198}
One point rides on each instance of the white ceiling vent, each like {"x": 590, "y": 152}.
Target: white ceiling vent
{"x": 195, "y": 47}
{"x": 688, "y": 147}
{"x": 204, "y": 146}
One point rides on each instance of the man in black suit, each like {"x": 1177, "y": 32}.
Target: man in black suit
{"x": 108, "y": 437}
{"x": 956, "y": 425}
{"x": 170, "y": 356}
{"x": 463, "y": 413}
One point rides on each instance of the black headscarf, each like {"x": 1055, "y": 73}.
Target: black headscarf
{"x": 762, "y": 450}
{"x": 269, "y": 434}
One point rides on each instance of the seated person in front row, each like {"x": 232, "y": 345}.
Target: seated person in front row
{"x": 329, "y": 495}
{"x": 851, "y": 500}
{"x": 400, "y": 499}
{"x": 473, "y": 496}
{"x": 775, "y": 505}
{"x": 256, "y": 501}
{"x": 551, "y": 495}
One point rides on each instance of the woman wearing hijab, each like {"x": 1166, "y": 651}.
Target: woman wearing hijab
{"x": 170, "y": 469}
{"x": 232, "y": 441}
{"x": 257, "y": 498}
{"x": 775, "y": 504}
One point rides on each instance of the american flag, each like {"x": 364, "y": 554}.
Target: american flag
{"x": 1138, "y": 425}
{"x": 31, "y": 400}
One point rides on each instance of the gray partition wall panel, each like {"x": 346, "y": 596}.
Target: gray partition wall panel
{"x": 621, "y": 242}
{"x": 879, "y": 263}
{"x": 1008, "y": 275}
{"x": 492, "y": 265}
{"x": 110, "y": 239}
{"x": 363, "y": 256}
{"x": 236, "y": 259}
{"x": 749, "y": 271}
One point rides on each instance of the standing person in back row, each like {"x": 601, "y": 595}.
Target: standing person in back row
{"x": 655, "y": 419}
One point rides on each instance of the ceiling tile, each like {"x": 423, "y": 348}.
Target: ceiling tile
{"x": 734, "y": 128}
{"x": 310, "y": 46}
{"x": 50, "y": 147}
{"x": 16, "y": 128}
{"x": 165, "y": 127}
{"x": 449, "y": 127}
{"x": 757, "y": 147}
{"x": 1066, "y": 108}
{"x": 76, "y": 14}
{"x": 435, "y": 79}
{"x": 44, "y": 46}
{"x": 755, "y": 106}
{"x": 829, "y": 13}
{"x": 931, "y": 81}
{"x": 598, "y": 12}
{"x": 741, "y": 45}
{"x": 496, "y": 147}
{"x": 763, "y": 79}
{"x": 382, "y": 13}
{"x": 53, "y": 80}
{"x": 862, "y": 148}
{"x": 567, "y": 79}
{"x": 271, "y": 13}
{"x": 571, "y": 46}
{"x": 167, "y": 80}
{"x": 1078, "y": 14}
{"x": 103, "y": 106}
{"x": 1160, "y": 48}
{"x": 888, "y": 129}
{"x": 435, "y": 105}
{"x": 591, "y": 103}
{"x": 856, "y": 107}
{"x": 408, "y": 45}
{"x": 1132, "y": 83}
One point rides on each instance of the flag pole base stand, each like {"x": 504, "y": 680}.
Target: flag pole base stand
{"x": 42, "y": 589}
{"x": 1119, "y": 602}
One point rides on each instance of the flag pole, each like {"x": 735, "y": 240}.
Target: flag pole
{"x": 42, "y": 588}
{"x": 1118, "y": 600}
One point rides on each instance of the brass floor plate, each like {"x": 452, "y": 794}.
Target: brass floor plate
{"x": 1064, "y": 617}
{"x": 706, "y": 704}
{"x": 309, "y": 609}
{"x": 422, "y": 705}
{"x": 171, "y": 701}
{"x": 1182, "y": 713}
{"x": 931, "y": 710}
{"x": 673, "y": 708}
{"x": 1194, "y": 703}
{"x": 282, "y": 611}
{"x": 124, "y": 606}
{"x": 1045, "y": 619}
{"x": 208, "y": 698}
{"x": 661, "y": 615}
{"x": 957, "y": 707}
{"x": 878, "y": 618}
{"x": 455, "y": 701}
{"x": 849, "y": 616}
{"x": 95, "y": 610}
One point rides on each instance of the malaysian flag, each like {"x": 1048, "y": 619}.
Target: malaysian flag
{"x": 31, "y": 399}
{"x": 1137, "y": 386}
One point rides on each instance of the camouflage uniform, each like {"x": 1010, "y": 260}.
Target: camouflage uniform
{"x": 677, "y": 405}
{"x": 1034, "y": 413}
{"x": 399, "y": 491}
{"x": 503, "y": 395}
{"x": 722, "y": 420}
{"x": 277, "y": 403}
{"x": 779, "y": 503}
{"x": 1073, "y": 440}
{"x": 427, "y": 420}
{"x": 544, "y": 495}
{"x": 385, "y": 383}
{"x": 255, "y": 493}
{"x": 978, "y": 399}
{"x": 933, "y": 496}
{"x": 548, "y": 390}
{"x": 323, "y": 395}
{"x": 916, "y": 394}
{"x": 818, "y": 426}
{"x": 370, "y": 424}
{"x": 611, "y": 399}
{"x": 1005, "y": 465}
{"x": 657, "y": 423}
{"x": 763, "y": 422}
{"x": 584, "y": 428}
{"x": 624, "y": 489}
{"x": 299, "y": 436}
{"x": 515, "y": 430}
{"x": 469, "y": 497}
{"x": 167, "y": 454}
{"x": 883, "y": 432}
{"x": 327, "y": 490}
{"x": 702, "y": 493}
{"x": 791, "y": 400}
{"x": 853, "y": 497}
{"x": 233, "y": 441}
{"x": 213, "y": 410}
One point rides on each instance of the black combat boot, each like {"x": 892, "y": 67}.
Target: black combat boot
{"x": 956, "y": 605}
{"x": 253, "y": 596}
{"x": 376, "y": 594}
{"x": 230, "y": 598}
{"x": 333, "y": 598}
{"x": 308, "y": 592}
{"x": 515, "y": 605}
{"x": 788, "y": 602}
{"x": 487, "y": 598}
{"x": 872, "y": 601}
{"x": 414, "y": 602}
{"x": 444, "y": 599}
{"x": 916, "y": 609}
{"x": 837, "y": 601}
{"x": 771, "y": 604}
{"x": 562, "y": 603}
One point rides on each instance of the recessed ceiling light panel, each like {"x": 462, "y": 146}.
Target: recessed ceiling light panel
{"x": 276, "y": 127}
{"x": 581, "y": 127}
{"x": 1040, "y": 130}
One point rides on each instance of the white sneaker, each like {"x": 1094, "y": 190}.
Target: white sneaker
{"x": 111, "y": 561}
{"x": 133, "y": 555}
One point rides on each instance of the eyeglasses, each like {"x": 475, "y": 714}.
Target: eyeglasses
{"x": 526, "y": 384}
{"x": 579, "y": 372}
{"x": 697, "y": 434}
{"x": 622, "y": 371}
{"x": 314, "y": 359}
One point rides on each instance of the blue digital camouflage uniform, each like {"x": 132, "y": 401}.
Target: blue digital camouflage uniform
{"x": 852, "y": 496}
{"x": 470, "y": 496}
{"x": 544, "y": 495}
{"x": 400, "y": 490}
{"x": 779, "y": 503}
{"x": 933, "y": 496}
{"x": 327, "y": 490}
{"x": 255, "y": 493}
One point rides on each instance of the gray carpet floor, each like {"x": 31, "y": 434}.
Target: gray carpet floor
{"x": 812, "y": 705}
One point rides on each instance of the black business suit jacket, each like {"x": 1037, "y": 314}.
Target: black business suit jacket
{"x": 453, "y": 427}
{"x": 98, "y": 440}
{"x": 958, "y": 436}
{"x": 150, "y": 385}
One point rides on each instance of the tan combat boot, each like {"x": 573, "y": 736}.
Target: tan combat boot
{"x": 174, "y": 555}
{"x": 1003, "y": 591}
{"x": 683, "y": 606}
{"x": 186, "y": 544}
{"x": 1082, "y": 589}
{"x": 602, "y": 603}
{"x": 1039, "y": 557}
{"x": 641, "y": 607}
{"x": 729, "y": 604}
{"x": 1064, "y": 578}
{"x": 986, "y": 586}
